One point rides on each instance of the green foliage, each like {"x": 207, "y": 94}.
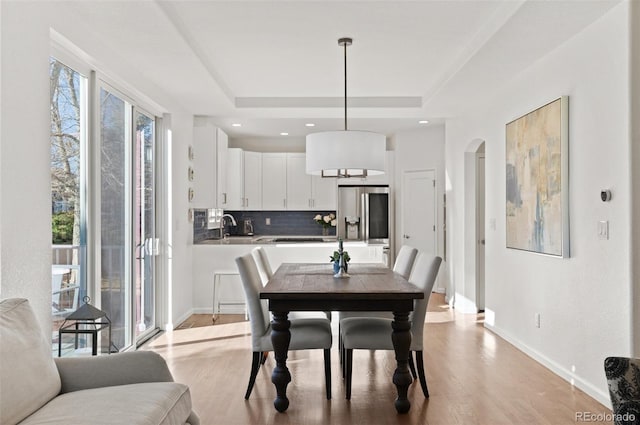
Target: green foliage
{"x": 62, "y": 227}
{"x": 336, "y": 257}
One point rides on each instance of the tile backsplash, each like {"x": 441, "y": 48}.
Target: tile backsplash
{"x": 286, "y": 223}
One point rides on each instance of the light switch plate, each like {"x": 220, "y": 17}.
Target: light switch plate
{"x": 603, "y": 230}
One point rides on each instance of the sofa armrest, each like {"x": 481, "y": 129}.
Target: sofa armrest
{"x": 81, "y": 373}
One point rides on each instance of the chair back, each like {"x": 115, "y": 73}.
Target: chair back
{"x": 404, "y": 261}
{"x": 623, "y": 378}
{"x": 262, "y": 262}
{"x": 423, "y": 276}
{"x": 251, "y": 283}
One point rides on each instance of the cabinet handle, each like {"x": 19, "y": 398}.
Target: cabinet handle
{"x": 224, "y": 198}
{"x": 247, "y": 205}
{"x": 284, "y": 203}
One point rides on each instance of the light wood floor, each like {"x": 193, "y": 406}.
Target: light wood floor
{"x": 474, "y": 378}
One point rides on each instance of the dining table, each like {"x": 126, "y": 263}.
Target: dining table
{"x": 313, "y": 287}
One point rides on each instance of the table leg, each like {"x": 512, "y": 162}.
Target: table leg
{"x": 280, "y": 338}
{"x": 401, "y": 338}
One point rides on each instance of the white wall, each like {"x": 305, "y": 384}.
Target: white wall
{"x": 634, "y": 16}
{"x": 25, "y": 228}
{"x": 25, "y": 225}
{"x": 584, "y": 300}
{"x": 422, "y": 150}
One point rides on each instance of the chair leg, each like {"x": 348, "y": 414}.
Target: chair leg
{"x": 412, "y": 367}
{"x": 423, "y": 379}
{"x": 340, "y": 340}
{"x": 349, "y": 364}
{"x": 342, "y": 361}
{"x": 255, "y": 365}
{"x": 327, "y": 372}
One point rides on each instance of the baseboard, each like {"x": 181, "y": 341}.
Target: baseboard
{"x": 601, "y": 396}
{"x": 203, "y": 310}
{"x": 185, "y": 316}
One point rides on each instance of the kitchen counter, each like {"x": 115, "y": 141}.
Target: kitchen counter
{"x": 277, "y": 240}
{"x": 213, "y": 258}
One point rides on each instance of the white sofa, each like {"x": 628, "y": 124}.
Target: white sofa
{"x": 128, "y": 388}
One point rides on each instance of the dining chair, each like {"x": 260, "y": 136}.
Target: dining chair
{"x": 623, "y": 380}
{"x": 374, "y": 333}
{"x": 306, "y": 334}
{"x": 403, "y": 265}
{"x": 265, "y": 271}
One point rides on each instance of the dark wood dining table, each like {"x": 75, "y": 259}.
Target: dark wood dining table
{"x": 313, "y": 287}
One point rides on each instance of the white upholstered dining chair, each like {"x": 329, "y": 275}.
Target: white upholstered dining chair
{"x": 265, "y": 271}
{"x": 374, "y": 333}
{"x": 306, "y": 334}
{"x": 403, "y": 265}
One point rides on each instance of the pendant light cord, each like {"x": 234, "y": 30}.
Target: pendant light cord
{"x": 345, "y": 86}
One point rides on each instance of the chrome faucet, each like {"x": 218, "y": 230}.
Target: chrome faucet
{"x": 233, "y": 223}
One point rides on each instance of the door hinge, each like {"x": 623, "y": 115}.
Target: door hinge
{"x": 434, "y": 183}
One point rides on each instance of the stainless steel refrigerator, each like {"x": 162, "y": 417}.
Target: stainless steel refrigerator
{"x": 364, "y": 214}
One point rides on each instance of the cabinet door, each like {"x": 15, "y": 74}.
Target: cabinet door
{"x": 324, "y": 193}
{"x": 222, "y": 145}
{"x": 235, "y": 177}
{"x": 298, "y": 183}
{"x": 274, "y": 181}
{"x": 252, "y": 180}
{"x": 202, "y": 168}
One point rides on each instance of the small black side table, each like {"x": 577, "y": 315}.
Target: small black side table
{"x": 86, "y": 320}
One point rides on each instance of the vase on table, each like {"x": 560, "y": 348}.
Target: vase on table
{"x": 336, "y": 267}
{"x": 325, "y": 231}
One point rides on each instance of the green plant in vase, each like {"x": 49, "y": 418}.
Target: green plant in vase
{"x": 335, "y": 259}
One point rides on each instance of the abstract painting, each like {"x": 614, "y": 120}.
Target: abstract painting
{"x": 537, "y": 180}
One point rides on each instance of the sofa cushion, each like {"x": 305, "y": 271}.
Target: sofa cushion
{"x": 28, "y": 375}
{"x": 165, "y": 403}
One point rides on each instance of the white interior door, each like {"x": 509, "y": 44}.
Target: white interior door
{"x": 419, "y": 210}
{"x": 480, "y": 239}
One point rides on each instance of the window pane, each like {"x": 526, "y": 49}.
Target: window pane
{"x": 67, "y": 139}
{"x": 115, "y": 291}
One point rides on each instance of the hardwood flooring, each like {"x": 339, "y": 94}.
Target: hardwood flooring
{"x": 474, "y": 378}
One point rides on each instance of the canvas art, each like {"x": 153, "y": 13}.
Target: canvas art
{"x": 537, "y": 180}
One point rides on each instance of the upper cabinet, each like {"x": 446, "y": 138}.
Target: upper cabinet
{"x": 306, "y": 192}
{"x": 235, "y": 178}
{"x": 206, "y": 175}
{"x": 274, "y": 181}
{"x": 324, "y": 193}
{"x": 222, "y": 145}
{"x": 252, "y": 180}
{"x": 298, "y": 183}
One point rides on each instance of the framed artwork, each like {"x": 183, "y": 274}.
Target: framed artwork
{"x": 537, "y": 186}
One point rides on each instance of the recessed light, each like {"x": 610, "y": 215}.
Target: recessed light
{"x": 310, "y": 124}
{"x": 236, "y": 124}
{"x": 284, "y": 134}
{"x": 423, "y": 122}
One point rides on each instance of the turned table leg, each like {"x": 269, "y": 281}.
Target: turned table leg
{"x": 280, "y": 338}
{"x": 401, "y": 338}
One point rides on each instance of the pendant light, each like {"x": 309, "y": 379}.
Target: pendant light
{"x": 345, "y": 153}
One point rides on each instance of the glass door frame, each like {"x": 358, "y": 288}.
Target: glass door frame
{"x": 98, "y": 82}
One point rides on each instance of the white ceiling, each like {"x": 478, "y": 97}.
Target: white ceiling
{"x": 273, "y": 66}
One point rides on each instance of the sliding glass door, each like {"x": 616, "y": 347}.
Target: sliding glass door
{"x": 127, "y": 206}
{"x": 145, "y": 241}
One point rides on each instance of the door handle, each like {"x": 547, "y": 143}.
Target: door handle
{"x": 406, "y": 236}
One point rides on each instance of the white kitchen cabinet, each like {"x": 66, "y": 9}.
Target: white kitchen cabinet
{"x": 324, "y": 193}
{"x": 235, "y": 179}
{"x": 274, "y": 181}
{"x": 306, "y": 192}
{"x": 209, "y": 165}
{"x": 202, "y": 167}
{"x": 222, "y": 146}
{"x": 298, "y": 183}
{"x": 252, "y": 181}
